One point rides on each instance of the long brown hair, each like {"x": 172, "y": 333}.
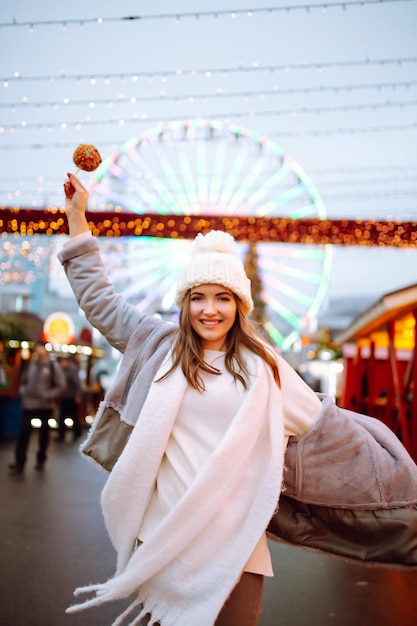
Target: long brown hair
{"x": 188, "y": 353}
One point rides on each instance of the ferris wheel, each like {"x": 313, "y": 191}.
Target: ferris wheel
{"x": 200, "y": 167}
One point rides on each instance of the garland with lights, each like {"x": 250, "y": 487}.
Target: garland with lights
{"x": 233, "y": 13}
{"x": 261, "y": 94}
{"x": 346, "y": 232}
{"x": 145, "y": 118}
{"x": 208, "y": 72}
{"x": 374, "y": 106}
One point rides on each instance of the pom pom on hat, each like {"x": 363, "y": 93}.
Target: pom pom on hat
{"x": 215, "y": 260}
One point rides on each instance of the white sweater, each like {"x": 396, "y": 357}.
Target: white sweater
{"x": 201, "y": 424}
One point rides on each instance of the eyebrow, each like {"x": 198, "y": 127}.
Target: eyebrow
{"x": 218, "y": 293}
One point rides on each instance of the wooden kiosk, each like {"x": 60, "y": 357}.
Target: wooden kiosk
{"x": 379, "y": 352}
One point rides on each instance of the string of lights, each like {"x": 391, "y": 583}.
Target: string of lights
{"x": 209, "y": 72}
{"x": 235, "y": 114}
{"x": 327, "y": 171}
{"x": 177, "y": 16}
{"x": 365, "y": 168}
{"x": 57, "y": 180}
{"x": 300, "y": 133}
{"x": 344, "y": 232}
{"x": 376, "y": 183}
{"x": 363, "y": 195}
{"x": 219, "y": 93}
{"x": 363, "y": 181}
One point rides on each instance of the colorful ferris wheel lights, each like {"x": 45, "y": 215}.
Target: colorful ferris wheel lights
{"x": 281, "y": 310}
{"x": 184, "y": 177}
{"x": 280, "y": 287}
{"x": 274, "y": 333}
{"x": 303, "y": 211}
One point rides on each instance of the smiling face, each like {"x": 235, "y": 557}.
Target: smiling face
{"x": 212, "y": 314}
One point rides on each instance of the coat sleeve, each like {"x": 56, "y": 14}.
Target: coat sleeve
{"x": 107, "y": 311}
{"x": 350, "y": 491}
{"x": 301, "y": 406}
{"x": 350, "y": 461}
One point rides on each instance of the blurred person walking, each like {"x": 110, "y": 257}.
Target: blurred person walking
{"x": 70, "y": 398}
{"x": 42, "y": 384}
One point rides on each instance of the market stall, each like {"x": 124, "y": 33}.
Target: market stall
{"x": 379, "y": 351}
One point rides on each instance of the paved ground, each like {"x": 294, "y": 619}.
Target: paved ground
{"x": 53, "y": 539}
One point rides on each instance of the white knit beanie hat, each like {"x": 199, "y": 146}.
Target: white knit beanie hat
{"x": 215, "y": 260}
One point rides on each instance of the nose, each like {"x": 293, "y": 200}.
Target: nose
{"x": 210, "y": 307}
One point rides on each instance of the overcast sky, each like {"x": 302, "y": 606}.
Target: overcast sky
{"x": 335, "y": 88}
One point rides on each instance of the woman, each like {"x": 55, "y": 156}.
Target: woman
{"x": 209, "y": 407}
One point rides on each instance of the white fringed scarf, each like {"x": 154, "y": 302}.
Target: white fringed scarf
{"x": 185, "y": 571}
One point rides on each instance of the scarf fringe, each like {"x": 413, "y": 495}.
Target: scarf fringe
{"x": 127, "y": 611}
{"x": 98, "y": 588}
{"x": 138, "y": 620}
{"x": 76, "y": 608}
{"x": 102, "y": 595}
{"x": 100, "y": 599}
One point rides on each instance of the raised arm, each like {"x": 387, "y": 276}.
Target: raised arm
{"x": 107, "y": 311}
{"x": 76, "y": 198}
